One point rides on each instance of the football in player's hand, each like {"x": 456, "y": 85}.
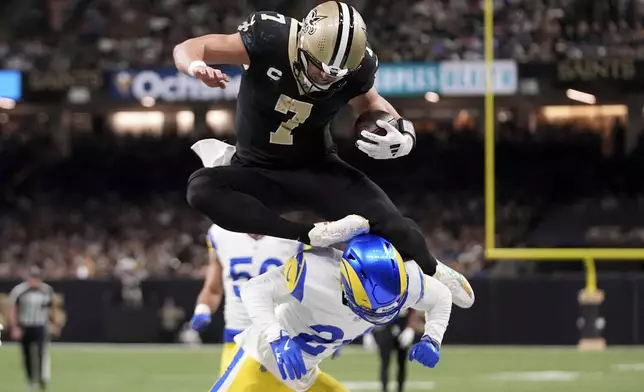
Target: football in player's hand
{"x": 367, "y": 122}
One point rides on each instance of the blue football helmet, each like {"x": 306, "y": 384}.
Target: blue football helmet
{"x": 374, "y": 279}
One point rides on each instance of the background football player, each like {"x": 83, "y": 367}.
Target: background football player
{"x": 296, "y": 78}
{"x": 235, "y": 258}
{"x": 322, "y": 299}
{"x": 395, "y": 337}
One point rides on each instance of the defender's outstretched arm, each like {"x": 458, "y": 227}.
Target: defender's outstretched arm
{"x": 260, "y": 296}
{"x": 211, "y": 293}
{"x": 437, "y": 305}
{"x": 435, "y": 300}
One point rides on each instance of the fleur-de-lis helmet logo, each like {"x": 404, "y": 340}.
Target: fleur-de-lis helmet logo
{"x": 310, "y": 23}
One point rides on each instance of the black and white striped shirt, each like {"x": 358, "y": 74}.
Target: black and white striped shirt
{"x": 33, "y": 305}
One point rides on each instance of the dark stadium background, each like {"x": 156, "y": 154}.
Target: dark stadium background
{"x": 96, "y": 126}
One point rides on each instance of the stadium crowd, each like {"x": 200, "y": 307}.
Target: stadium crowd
{"x": 104, "y": 201}
{"x": 122, "y": 34}
{"x": 117, "y": 200}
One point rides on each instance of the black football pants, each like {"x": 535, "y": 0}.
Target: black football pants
{"x": 250, "y": 199}
{"x": 387, "y": 343}
{"x": 34, "y": 355}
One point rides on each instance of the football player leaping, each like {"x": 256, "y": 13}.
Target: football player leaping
{"x": 321, "y": 299}
{"x": 296, "y": 78}
{"x": 235, "y": 258}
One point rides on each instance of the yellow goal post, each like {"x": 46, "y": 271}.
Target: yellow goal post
{"x": 587, "y": 255}
{"x": 590, "y": 295}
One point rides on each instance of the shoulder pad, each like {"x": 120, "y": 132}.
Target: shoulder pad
{"x": 211, "y": 242}
{"x": 295, "y": 270}
{"x": 263, "y": 33}
{"x": 364, "y": 78}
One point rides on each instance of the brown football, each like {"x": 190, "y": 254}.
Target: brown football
{"x": 367, "y": 122}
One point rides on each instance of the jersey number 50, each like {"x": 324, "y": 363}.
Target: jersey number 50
{"x": 238, "y": 263}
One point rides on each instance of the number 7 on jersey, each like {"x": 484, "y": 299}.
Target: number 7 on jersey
{"x": 302, "y": 111}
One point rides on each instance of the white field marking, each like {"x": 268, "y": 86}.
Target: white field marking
{"x": 536, "y": 376}
{"x": 629, "y": 367}
{"x": 129, "y": 347}
{"x": 147, "y": 347}
{"x": 375, "y": 385}
{"x": 354, "y": 349}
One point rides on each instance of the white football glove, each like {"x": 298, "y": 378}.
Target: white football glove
{"x": 406, "y": 337}
{"x": 369, "y": 342}
{"x": 394, "y": 144}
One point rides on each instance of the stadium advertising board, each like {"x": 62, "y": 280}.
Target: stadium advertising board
{"x": 608, "y": 69}
{"x": 171, "y": 86}
{"x": 55, "y": 85}
{"x": 602, "y": 77}
{"x": 11, "y": 84}
{"x": 449, "y": 78}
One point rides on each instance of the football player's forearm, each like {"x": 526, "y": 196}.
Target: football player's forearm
{"x": 210, "y": 298}
{"x": 384, "y": 105}
{"x": 260, "y": 296}
{"x": 211, "y": 49}
{"x": 53, "y": 319}
{"x": 187, "y": 52}
{"x": 437, "y": 304}
{"x": 13, "y": 317}
{"x": 372, "y": 100}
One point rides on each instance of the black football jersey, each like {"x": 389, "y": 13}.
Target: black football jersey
{"x": 275, "y": 124}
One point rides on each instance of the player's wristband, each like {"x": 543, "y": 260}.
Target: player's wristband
{"x": 273, "y": 332}
{"x": 194, "y": 65}
{"x": 407, "y": 127}
{"x": 432, "y": 341}
{"x": 202, "y": 309}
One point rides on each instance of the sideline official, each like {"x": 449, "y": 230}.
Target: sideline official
{"x": 32, "y": 323}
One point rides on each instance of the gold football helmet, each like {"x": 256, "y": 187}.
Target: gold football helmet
{"x": 331, "y": 44}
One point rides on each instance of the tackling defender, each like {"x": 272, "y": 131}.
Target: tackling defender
{"x": 322, "y": 299}
{"x": 296, "y": 77}
{"x": 233, "y": 259}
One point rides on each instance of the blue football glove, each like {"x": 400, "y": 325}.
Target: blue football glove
{"x": 201, "y": 319}
{"x": 426, "y": 352}
{"x": 288, "y": 355}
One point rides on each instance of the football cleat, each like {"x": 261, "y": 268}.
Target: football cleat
{"x": 462, "y": 293}
{"x": 343, "y": 230}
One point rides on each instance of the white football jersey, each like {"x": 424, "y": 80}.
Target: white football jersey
{"x": 243, "y": 257}
{"x": 313, "y": 314}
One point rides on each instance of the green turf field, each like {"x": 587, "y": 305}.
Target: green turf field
{"x": 462, "y": 369}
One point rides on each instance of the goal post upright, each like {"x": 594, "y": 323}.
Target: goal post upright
{"x": 590, "y": 297}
